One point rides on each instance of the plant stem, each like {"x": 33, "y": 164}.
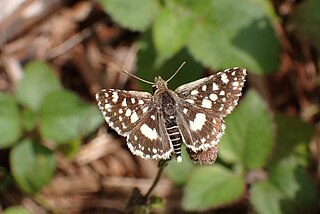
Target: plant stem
{"x": 161, "y": 165}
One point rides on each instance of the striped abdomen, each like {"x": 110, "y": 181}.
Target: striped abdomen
{"x": 175, "y": 138}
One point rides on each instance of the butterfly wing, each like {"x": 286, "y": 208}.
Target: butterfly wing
{"x": 218, "y": 93}
{"x": 133, "y": 114}
{"x": 149, "y": 138}
{"x": 204, "y": 103}
{"x": 200, "y": 129}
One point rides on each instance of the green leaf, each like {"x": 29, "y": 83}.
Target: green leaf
{"x": 211, "y": 186}
{"x": 305, "y": 22}
{"x": 136, "y": 15}
{"x": 149, "y": 68}
{"x": 10, "y": 129}
{"x": 180, "y": 172}
{"x": 171, "y": 31}
{"x": 245, "y": 38}
{"x": 64, "y": 117}
{"x": 32, "y": 165}
{"x": 293, "y": 182}
{"x": 293, "y": 138}
{"x": 39, "y": 79}
{"x": 265, "y": 198}
{"x": 249, "y": 133}
{"x": 29, "y": 119}
{"x": 16, "y": 210}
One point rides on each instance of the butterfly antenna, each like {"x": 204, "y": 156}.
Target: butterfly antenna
{"x": 138, "y": 78}
{"x": 175, "y": 73}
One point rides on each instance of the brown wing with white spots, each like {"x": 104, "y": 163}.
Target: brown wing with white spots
{"x": 200, "y": 129}
{"x": 134, "y": 114}
{"x": 122, "y": 109}
{"x": 219, "y": 92}
{"x": 149, "y": 138}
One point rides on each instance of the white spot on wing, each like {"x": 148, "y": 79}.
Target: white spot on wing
{"x": 145, "y": 109}
{"x": 190, "y": 101}
{"x": 124, "y": 102}
{"x": 235, "y": 84}
{"x": 128, "y": 112}
{"x": 194, "y": 92}
{"x": 115, "y": 97}
{"x": 107, "y": 106}
{"x": 206, "y": 103}
{"x": 134, "y": 117}
{"x": 213, "y": 97}
{"x": 204, "y": 88}
{"x": 148, "y": 132}
{"x": 215, "y": 86}
{"x": 198, "y": 122}
{"x": 141, "y": 102}
{"x": 224, "y": 78}
{"x": 133, "y": 100}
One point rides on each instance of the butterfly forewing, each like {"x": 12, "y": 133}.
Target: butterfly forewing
{"x": 218, "y": 93}
{"x": 122, "y": 109}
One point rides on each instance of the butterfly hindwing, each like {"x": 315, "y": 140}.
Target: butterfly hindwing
{"x": 199, "y": 129}
{"x": 149, "y": 138}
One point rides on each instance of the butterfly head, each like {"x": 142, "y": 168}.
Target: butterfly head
{"x": 159, "y": 85}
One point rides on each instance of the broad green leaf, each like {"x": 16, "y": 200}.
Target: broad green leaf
{"x": 293, "y": 182}
{"x": 245, "y": 38}
{"x": 10, "y": 128}
{"x": 38, "y": 80}
{"x": 136, "y": 15}
{"x": 16, "y": 210}
{"x": 180, "y": 172}
{"x": 32, "y": 165}
{"x": 249, "y": 133}
{"x": 305, "y": 22}
{"x": 64, "y": 117}
{"x": 265, "y": 198}
{"x": 288, "y": 190}
{"x": 211, "y": 186}
{"x": 148, "y": 68}
{"x": 293, "y": 138}
{"x": 171, "y": 31}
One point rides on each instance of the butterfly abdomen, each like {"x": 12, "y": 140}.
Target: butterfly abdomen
{"x": 175, "y": 138}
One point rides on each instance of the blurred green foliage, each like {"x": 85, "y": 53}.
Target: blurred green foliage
{"x": 218, "y": 34}
{"x": 41, "y": 111}
{"x": 16, "y": 210}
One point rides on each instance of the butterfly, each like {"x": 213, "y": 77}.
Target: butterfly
{"x": 156, "y": 125}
